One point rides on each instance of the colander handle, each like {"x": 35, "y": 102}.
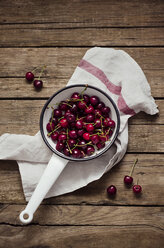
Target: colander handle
{"x": 50, "y": 175}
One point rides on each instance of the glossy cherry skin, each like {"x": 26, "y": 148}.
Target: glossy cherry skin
{"x": 98, "y": 113}
{"x": 94, "y": 100}
{"x": 111, "y": 124}
{"x": 80, "y": 132}
{"x": 105, "y": 110}
{"x": 71, "y": 142}
{"x": 38, "y": 84}
{"x": 95, "y": 139}
{"x": 57, "y": 113}
{"x": 97, "y": 123}
{"x": 70, "y": 117}
{"x": 75, "y": 95}
{"x": 82, "y": 145}
{"x": 90, "y": 150}
{"x": 86, "y": 98}
{"x": 62, "y": 137}
{"x": 128, "y": 180}
{"x": 73, "y": 134}
{"x": 67, "y": 113}
{"x": 66, "y": 151}
{"x": 106, "y": 122}
{"x": 89, "y": 109}
{"x": 74, "y": 108}
{"x": 86, "y": 136}
{"x": 29, "y": 76}
{"x": 79, "y": 124}
{"x": 63, "y": 106}
{"x": 59, "y": 146}
{"x": 54, "y": 120}
{"x": 111, "y": 190}
{"x": 137, "y": 189}
{"x": 54, "y": 136}
{"x": 76, "y": 153}
{"x": 90, "y": 127}
{"x": 64, "y": 123}
{"x": 82, "y": 105}
{"x": 100, "y": 105}
{"x": 90, "y": 118}
{"x": 50, "y": 126}
{"x": 100, "y": 145}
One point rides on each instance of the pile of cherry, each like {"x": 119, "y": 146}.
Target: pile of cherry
{"x": 80, "y": 125}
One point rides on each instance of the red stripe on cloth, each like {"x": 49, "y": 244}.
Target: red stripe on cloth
{"x": 98, "y": 73}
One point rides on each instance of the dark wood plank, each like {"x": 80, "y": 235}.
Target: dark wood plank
{"x": 61, "y": 62}
{"x": 149, "y": 171}
{"x": 47, "y": 35}
{"x": 90, "y": 13}
{"x": 78, "y": 236}
{"x": 19, "y": 87}
{"x": 87, "y": 215}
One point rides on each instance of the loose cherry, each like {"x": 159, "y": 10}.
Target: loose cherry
{"x": 29, "y": 76}
{"x": 111, "y": 190}
{"x": 137, "y": 188}
{"x": 128, "y": 179}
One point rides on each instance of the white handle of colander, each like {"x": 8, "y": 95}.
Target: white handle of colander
{"x": 50, "y": 175}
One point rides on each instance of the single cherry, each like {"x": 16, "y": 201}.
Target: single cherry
{"x": 90, "y": 127}
{"x": 105, "y": 111}
{"x": 66, "y": 151}
{"x": 50, "y": 126}
{"x": 62, "y": 137}
{"x": 80, "y": 132}
{"x": 86, "y": 136}
{"x": 76, "y": 153}
{"x": 71, "y": 142}
{"x": 94, "y": 100}
{"x": 90, "y": 150}
{"x": 57, "y": 113}
{"x": 107, "y": 122}
{"x": 95, "y": 139}
{"x": 82, "y": 105}
{"x": 98, "y": 113}
{"x": 82, "y": 145}
{"x": 79, "y": 124}
{"x": 137, "y": 189}
{"x": 97, "y": 123}
{"x": 64, "y": 122}
{"x": 90, "y": 118}
{"x": 111, "y": 123}
{"x": 70, "y": 117}
{"x": 128, "y": 179}
{"x": 63, "y": 106}
{"x": 29, "y": 76}
{"x": 59, "y": 146}
{"x": 73, "y": 134}
{"x": 54, "y": 136}
{"x": 86, "y": 98}
{"x": 89, "y": 109}
{"x": 38, "y": 84}
{"x": 111, "y": 190}
{"x": 100, "y": 145}
{"x": 75, "y": 95}
{"x": 74, "y": 108}
{"x": 100, "y": 105}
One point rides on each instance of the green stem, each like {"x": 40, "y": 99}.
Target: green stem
{"x": 69, "y": 147}
{"x": 86, "y": 86}
{"x": 133, "y": 167}
{"x": 44, "y": 67}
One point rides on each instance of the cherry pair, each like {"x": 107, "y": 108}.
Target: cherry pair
{"x": 128, "y": 180}
{"x": 38, "y": 84}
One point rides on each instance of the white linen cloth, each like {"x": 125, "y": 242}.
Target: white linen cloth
{"x": 114, "y": 72}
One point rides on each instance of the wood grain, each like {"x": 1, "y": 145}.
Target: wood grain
{"x": 20, "y": 88}
{"x": 90, "y": 13}
{"x": 87, "y": 215}
{"x": 61, "y": 62}
{"x": 37, "y": 35}
{"x": 79, "y": 236}
{"x": 149, "y": 171}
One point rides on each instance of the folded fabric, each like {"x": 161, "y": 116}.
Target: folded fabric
{"x": 114, "y": 72}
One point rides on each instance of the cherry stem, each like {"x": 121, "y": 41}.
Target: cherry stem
{"x": 60, "y": 118}
{"x": 137, "y": 181}
{"x": 69, "y": 147}
{"x": 35, "y": 68}
{"x": 44, "y": 67}
{"x": 84, "y": 90}
{"x": 133, "y": 167}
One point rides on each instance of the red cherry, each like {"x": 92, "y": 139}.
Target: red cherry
{"x": 111, "y": 190}
{"x": 62, "y": 137}
{"x": 50, "y": 126}
{"x": 73, "y": 134}
{"x": 66, "y": 152}
{"x": 95, "y": 139}
{"x": 90, "y": 118}
{"x": 94, "y": 100}
{"x": 80, "y": 132}
{"x": 29, "y": 76}
{"x": 98, "y": 113}
{"x": 86, "y": 98}
{"x": 90, "y": 150}
{"x": 54, "y": 136}
{"x": 75, "y": 95}
{"x": 57, "y": 113}
{"x": 76, "y": 153}
{"x": 71, "y": 142}
{"x": 100, "y": 145}
{"x": 137, "y": 189}
{"x": 82, "y": 105}
{"x": 105, "y": 110}
{"x": 79, "y": 124}
{"x": 59, "y": 146}
{"x": 111, "y": 124}
{"x": 63, "y": 106}
{"x": 64, "y": 122}
{"x": 107, "y": 122}
{"x": 97, "y": 123}
{"x": 38, "y": 84}
{"x": 89, "y": 109}
{"x": 100, "y": 105}
{"x": 90, "y": 127}
{"x": 128, "y": 180}
{"x": 86, "y": 136}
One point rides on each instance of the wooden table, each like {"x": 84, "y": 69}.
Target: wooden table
{"x": 58, "y": 33}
